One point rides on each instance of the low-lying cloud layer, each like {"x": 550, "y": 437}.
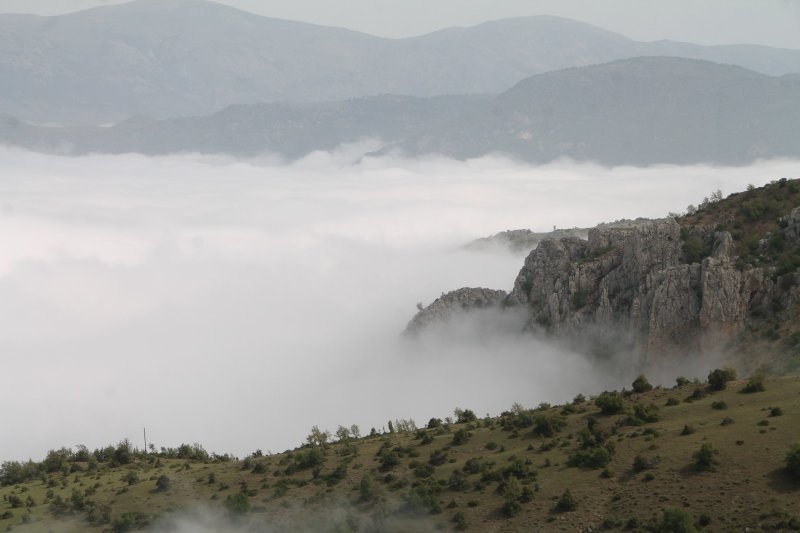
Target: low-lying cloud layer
{"x": 236, "y": 304}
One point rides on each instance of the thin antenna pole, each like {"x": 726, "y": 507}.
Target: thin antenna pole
{"x": 145, "y": 440}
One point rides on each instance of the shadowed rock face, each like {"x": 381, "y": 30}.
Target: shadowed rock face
{"x": 444, "y": 307}
{"x": 632, "y": 288}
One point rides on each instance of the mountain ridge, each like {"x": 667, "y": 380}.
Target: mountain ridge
{"x": 196, "y": 57}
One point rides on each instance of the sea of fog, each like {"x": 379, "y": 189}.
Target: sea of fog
{"x": 238, "y": 303}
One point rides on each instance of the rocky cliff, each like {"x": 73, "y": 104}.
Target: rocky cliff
{"x": 670, "y": 286}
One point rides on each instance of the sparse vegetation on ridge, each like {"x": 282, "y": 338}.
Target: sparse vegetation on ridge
{"x": 527, "y": 466}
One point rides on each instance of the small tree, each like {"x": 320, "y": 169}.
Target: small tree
{"x": 675, "y": 521}
{"x": 318, "y": 437}
{"x": 706, "y": 457}
{"x": 640, "y": 384}
{"x": 464, "y": 416}
{"x": 754, "y": 384}
{"x": 238, "y": 504}
{"x": 342, "y": 434}
{"x": 566, "y": 503}
{"x": 610, "y": 403}
{"x": 163, "y": 482}
{"x": 718, "y": 379}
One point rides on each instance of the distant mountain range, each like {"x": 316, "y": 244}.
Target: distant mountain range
{"x": 636, "y": 111}
{"x": 171, "y": 58}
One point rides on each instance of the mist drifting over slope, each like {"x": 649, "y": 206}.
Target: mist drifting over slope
{"x": 236, "y": 304}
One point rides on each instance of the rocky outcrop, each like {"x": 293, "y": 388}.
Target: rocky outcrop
{"x": 448, "y": 304}
{"x": 634, "y": 287}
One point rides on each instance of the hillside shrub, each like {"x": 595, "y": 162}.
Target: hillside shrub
{"x": 718, "y": 379}
{"x": 719, "y": 406}
{"x": 640, "y": 384}
{"x": 464, "y": 416}
{"x": 460, "y": 522}
{"x": 706, "y": 457}
{"x": 566, "y": 503}
{"x": 643, "y": 414}
{"x": 675, "y": 521}
{"x": 598, "y": 457}
{"x": 609, "y": 403}
{"x": 754, "y": 384}
{"x": 641, "y": 463}
{"x": 548, "y": 425}
{"x": 130, "y": 522}
{"x": 461, "y": 436}
{"x": 238, "y": 504}
{"x": 163, "y": 483}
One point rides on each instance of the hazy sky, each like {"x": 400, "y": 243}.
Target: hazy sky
{"x": 769, "y": 22}
{"x": 236, "y": 304}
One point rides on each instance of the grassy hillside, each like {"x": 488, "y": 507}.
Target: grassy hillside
{"x": 561, "y": 468}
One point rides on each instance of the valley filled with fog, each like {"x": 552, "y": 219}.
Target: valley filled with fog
{"x": 237, "y": 303}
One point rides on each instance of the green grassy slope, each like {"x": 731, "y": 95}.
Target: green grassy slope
{"x": 394, "y": 482}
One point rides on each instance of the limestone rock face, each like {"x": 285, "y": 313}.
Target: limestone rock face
{"x": 460, "y": 300}
{"x": 632, "y": 287}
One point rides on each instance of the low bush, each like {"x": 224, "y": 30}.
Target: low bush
{"x": 754, "y": 384}
{"x": 609, "y": 403}
{"x": 706, "y": 457}
{"x": 640, "y": 384}
{"x": 566, "y": 503}
{"x": 718, "y": 379}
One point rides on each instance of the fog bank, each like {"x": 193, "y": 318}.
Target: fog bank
{"x": 236, "y": 304}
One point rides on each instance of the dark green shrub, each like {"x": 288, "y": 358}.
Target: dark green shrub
{"x": 130, "y": 522}
{"x": 644, "y": 414}
{"x": 754, "y": 384}
{"x": 423, "y": 471}
{"x": 672, "y": 401}
{"x": 598, "y": 457}
{"x": 675, "y": 521}
{"x": 687, "y": 430}
{"x": 727, "y": 421}
{"x": 460, "y": 522}
{"x": 640, "y": 384}
{"x": 610, "y": 403}
{"x": 458, "y": 481}
{"x": 641, "y": 463}
{"x": 695, "y": 249}
{"x": 163, "y": 483}
{"x": 238, "y": 504}
{"x": 131, "y": 478}
{"x": 438, "y": 458}
{"x": 367, "y": 490}
{"x": 719, "y": 406}
{"x": 548, "y": 425}
{"x": 775, "y": 411}
{"x": 718, "y": 379}
{"x": 461, "y": 436}
{"x": 472, "y": 465}
{"x": 566, "y": 503}
{"x": 706, "y": 457}
{"x": 465, "y": 416}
